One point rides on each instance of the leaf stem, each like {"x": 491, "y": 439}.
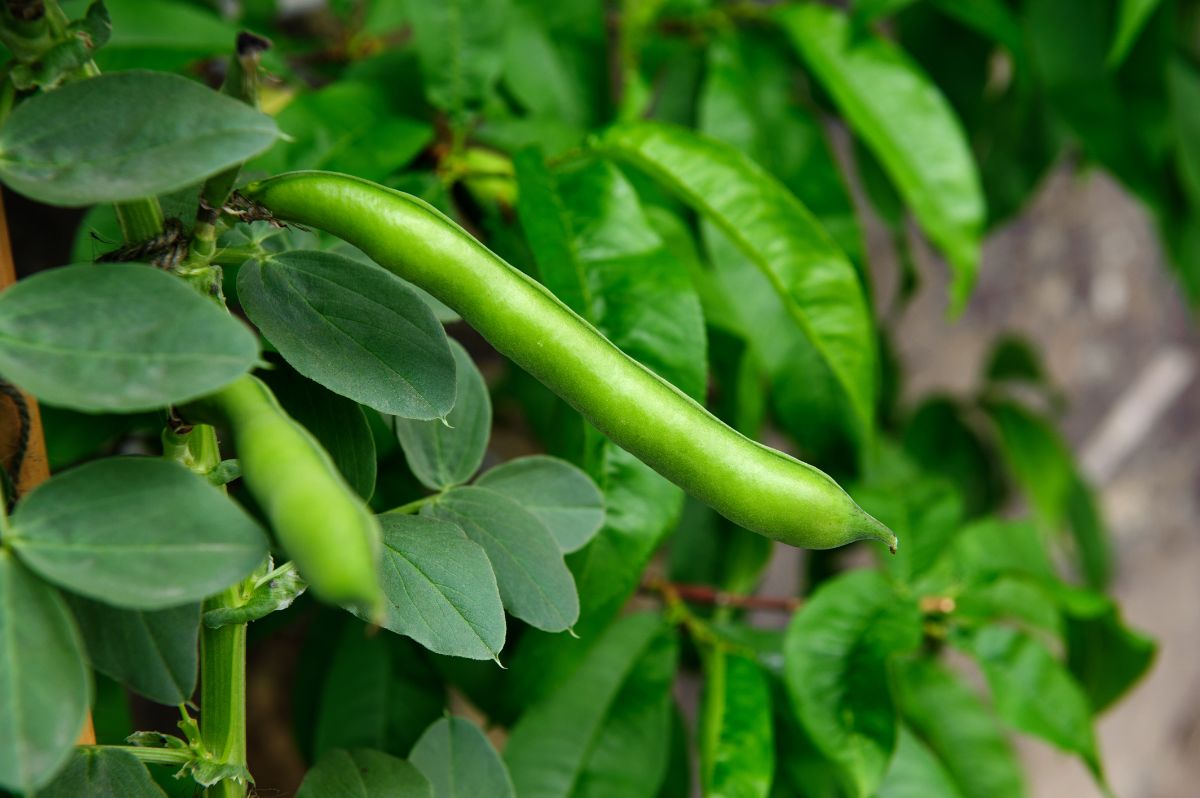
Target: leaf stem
{"x": 412, "y": 507}
{"x": 151, "y": 756}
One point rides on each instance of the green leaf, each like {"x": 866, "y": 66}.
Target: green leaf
{"x": 460, "y": 47}
{"x": 956, "y": 726}
{"x": 908, "y": 125}
{"x": 378, "y": 692}
{"x": 347, "y": 127}
{"x": 275, "y": 594}
{"x": 353, "y": 327}
{"x": 816, "y": 282}
{"x": 533, "y": 579}
{"x": 446, "y": 452}
{"x": 124, "y": 136}
{"x": 44, "y": 682}
{"x": 943, "y": 438}
{"x": 151, "y": 653}
{"x": 737, "y": 744}
{"x": 546, "y": 227}
{"x": 562, "y": 496}
{"x": 459, "y": 761}
{"x": 1017, "y": 667}
{"x": 439, "y": 588}
{"x": 836, "y": 666}
{"x": 1131, "y": 18}
{"x": 1183, "y": 83}
{"x": 102, "y": 773}
{"x": 339, "y": 425}
{"x": 162, "y": 34}
{"x": 1105, "y": 656}
{"x": 915, "y": 772}
{"x": 605, "y": 729}
{"x": 136, "y": 532}
{"x": 363, "y": 774}
{"x": 121, "y": 337}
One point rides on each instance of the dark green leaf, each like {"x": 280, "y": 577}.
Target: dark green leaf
{"x": 909, "y": 126}
{"x": 353, "y": 327}
{"x": 563, "y": 497}
{"x": 136, "y": 532}
{"x": 737, "y": 746}
{"x": 447, "y": 452}
{"x": 43, "y": 679}
{"x": 1183, "y": 82}
{"x": 1130, "y": 20}
{"x": 836, "y": 666}
{"x": 439, "y": 588}
{"x": 459, "y": 761}
{"x": 1105, "y": 656}
{"x": 816, "y": 282}
{"x": 1018, "y": 667}
{"x": 959, "y": 730}
{"x": 678, "y": 781}
{"x": 162, "y": 34}
{"x": 461, "y": 49}
{"x": 1015, "y": 359}
{"x": 152, "y": 653}
{"x": 124, "y": 136}
{"x": 604, "y": 730}
{"x": 942, "y": 438}
{"x": 534, "y": 581}
{"x": 339, "y": 425}
{"x": 363, "y": 774}
{"x": 100, "y": 773}
{"x": 915, "y": 772}
{"x": 544, "y": 221}
{"x": 120, "y": 337}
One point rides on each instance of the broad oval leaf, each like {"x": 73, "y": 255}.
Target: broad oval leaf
{"x": 915, "y": 771}
{"x": 446, "y": 453}
{"x": 562, "y": 496}
{"x": 102, "y": 773}
{"x": 812, "y": 276}
{"x": 120, "y": 337}
{"x": 604, "y": 730}
{"x": 353, "y": 327}
{"x": 124, "y": 136}
{"x": 909, "y": 127}
{"x": 439, "y": 588}
{"x": 363, "y": 774}
{"x": 534, "y": 581}
{"x": 836, "y": 657}
{"x": 152, "y": 653}
{"x": 959, "y": 730}
{"x": 737, "y": 746}
{"x": 44, "y": 682}
{"x": 136, "y": 532}
{"x": 459, "y": 761}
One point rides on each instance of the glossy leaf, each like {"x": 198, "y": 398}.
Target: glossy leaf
{"x": 460, "y": 762}
{"x": 439, "y": 588}
{"x": 460, "y": 46}
{"x": 1017, "y": 666}
{"x": 152, "y": 653}
{"x": 737, "y": 744}
{"x": 915, "y": 771}
{"x": 120, "y": 337}
{"x": 959, "y": 730}
{"x": 102, "y": 773}
{"x": 124, "y": 136}
{"x": 533, "y": 579}
{"x": 909, "y": 127}
{"x": 1131, "y": 18}
{"x": 816, "y": 282}
{"x": 836, "y": 667}
{"x": 363, "y": 774}
{"x": 136, "y": 532}
{"x": 44, "y": 682}
{"x": 353, "y": 327}
{"x": 562, "y": 496}
{"x": 604, "y": 730}
{"x": 443, "y": 453}
{"x": 338, "y": 424}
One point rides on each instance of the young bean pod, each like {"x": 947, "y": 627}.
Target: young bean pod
{"x": 757, "y": 487}
{"x": 323, "y": 526}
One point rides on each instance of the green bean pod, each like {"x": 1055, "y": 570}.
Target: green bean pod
{"x": 754, "y": 486}
{"x": 324, "y": 527}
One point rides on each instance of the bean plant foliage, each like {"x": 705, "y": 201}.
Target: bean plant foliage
{"x": 677, "y": 172}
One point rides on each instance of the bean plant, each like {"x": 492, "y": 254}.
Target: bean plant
{"x": 444, "y": 428}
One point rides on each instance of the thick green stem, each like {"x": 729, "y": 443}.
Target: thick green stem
{"x": 140, "y": 219}
{"x": 223, "y": 693}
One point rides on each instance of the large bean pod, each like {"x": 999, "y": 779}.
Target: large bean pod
{"x": 755, "y": 486}
{"x": 322, "y": 524}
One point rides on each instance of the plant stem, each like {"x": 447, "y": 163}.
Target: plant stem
{"x": 151, "y": 756}
{"x": 140, "y": 219}
{"x": 223, "y": 693}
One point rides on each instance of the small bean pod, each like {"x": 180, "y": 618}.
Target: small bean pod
{"x": 322, "y": 524}
{"x": 757, "y": 487}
